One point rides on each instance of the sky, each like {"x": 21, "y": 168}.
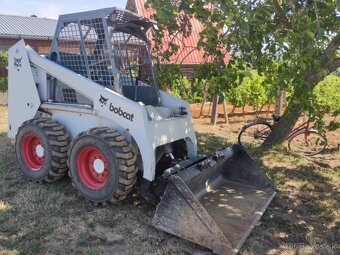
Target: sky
{"x": 53, "y": 8}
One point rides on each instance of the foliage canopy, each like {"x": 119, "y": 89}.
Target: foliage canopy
{"x": 294, "y": 43}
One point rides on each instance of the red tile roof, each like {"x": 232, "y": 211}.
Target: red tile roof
{"x": 188, "y": 53}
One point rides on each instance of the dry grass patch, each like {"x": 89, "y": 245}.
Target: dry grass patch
{"x": 53, "y": 219}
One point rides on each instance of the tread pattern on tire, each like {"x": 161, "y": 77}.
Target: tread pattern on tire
{"x": 125, "y": 157}
{"x": 59, "y": 141}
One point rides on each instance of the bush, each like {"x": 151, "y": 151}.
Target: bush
{"x": 197, "y": 89}
{"x": 180, "y": 87}
{"x": 3, "y": 58}
{"x": 248, "y": 88}
{"x": 3, "y": 64}
{"x": 252, "y": 90}
{"x": 3, "y": 84}
{"x": 196, "y": 99}
{"x": 167, "y": 74}
{"x": 327, "y": 94}
{"x": 191, "y": 91}
{"x": 169, "y": 77}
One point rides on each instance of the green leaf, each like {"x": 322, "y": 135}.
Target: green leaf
{"x": 333, "y": 126}
{"x": 309, "y": 34}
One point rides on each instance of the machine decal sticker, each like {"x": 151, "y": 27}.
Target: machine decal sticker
{"x": 17, "y": 62}
{"x": 120, "y": 112}
{"x": 103, "y": 100}
{"x": 116, "y": 110}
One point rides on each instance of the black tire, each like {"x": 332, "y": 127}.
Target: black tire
{"x": 253, "y": 134}
{"x": 314, "y": 144}
{"x": 118, "y": 172}
{"x": 51, "y": 164}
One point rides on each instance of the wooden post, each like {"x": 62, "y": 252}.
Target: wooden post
{"x": 209, "y": 109}
{"x": 226, "y": 119}
{"x": 214, "y": 111}
{"x": 204, "y": 98}
{"x": 278, "y": 103}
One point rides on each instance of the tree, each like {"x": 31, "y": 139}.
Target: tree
{"x": 3, "y": 65}
{"x": 3, "y": 58}
{"x": 294, "y": 43}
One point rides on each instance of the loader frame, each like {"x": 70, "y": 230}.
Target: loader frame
{"x": 165, "y": 120}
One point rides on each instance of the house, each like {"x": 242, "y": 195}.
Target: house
{"x": 37, "y": 32}
{"x": 188, "y": 55}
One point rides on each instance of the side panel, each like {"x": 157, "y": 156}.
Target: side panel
{"x": 168, "y": 100}
{"x": 133, "y": 117}
{"x": 169, "y": 130}
{"x": 23, "y": 97}
{"x": 40, "y": 78}
{"x": 179, "y": 126}
{"x": 76, "y": 122}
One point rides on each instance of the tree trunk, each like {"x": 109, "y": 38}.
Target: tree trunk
{"x": 293, "y": 110}
{"x": 206, "y": 90}
{"x": 285, "y": 125}
{"x": 226, "y": 119}
{"x": 214, "y": 110}
{"x": 279, "y": 102}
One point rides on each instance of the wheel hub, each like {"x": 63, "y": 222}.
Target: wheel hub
{"x": 32, "y": 151}
{"x": 93, "y": 168}
{"x": 39, "y": 150}
{"x": 98, "y": 166}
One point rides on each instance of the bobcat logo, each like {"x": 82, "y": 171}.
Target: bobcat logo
{"x": 17, "y": 62}
{"x": 103, "y": 100}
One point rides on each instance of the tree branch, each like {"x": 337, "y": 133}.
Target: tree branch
{"x": 331, "y": 48}
{"x": 192, "y": 50}
{"x": 334, "y": 65}
{"x": 279, "y": 12}
{"x": 314, "y": 77}
{"x": 327, "y": 60}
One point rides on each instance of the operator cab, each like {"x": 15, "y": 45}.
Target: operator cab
{"x": 110, "y": 47}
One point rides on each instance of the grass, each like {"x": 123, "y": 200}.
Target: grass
{"x": 52, "y": 219}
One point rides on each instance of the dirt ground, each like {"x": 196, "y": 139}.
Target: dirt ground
{"x": 304, "y": 217}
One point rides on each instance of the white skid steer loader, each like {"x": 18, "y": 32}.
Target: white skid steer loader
{"x": 92, "y": 108}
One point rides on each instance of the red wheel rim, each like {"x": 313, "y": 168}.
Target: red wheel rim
{"x": 32, "y": 151}
{"x": 93, "y": 169}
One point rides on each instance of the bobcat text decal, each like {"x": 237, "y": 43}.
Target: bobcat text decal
{"x": 120, "y": 112}
{"x": 116, "y": 110}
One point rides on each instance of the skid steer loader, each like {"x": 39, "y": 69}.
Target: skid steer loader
{"x": 92, "y": 108}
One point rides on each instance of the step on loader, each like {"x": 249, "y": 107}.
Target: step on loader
{"x": 92, "y": 109}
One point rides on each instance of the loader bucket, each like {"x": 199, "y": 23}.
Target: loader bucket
{"x": 215, "y": 202}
